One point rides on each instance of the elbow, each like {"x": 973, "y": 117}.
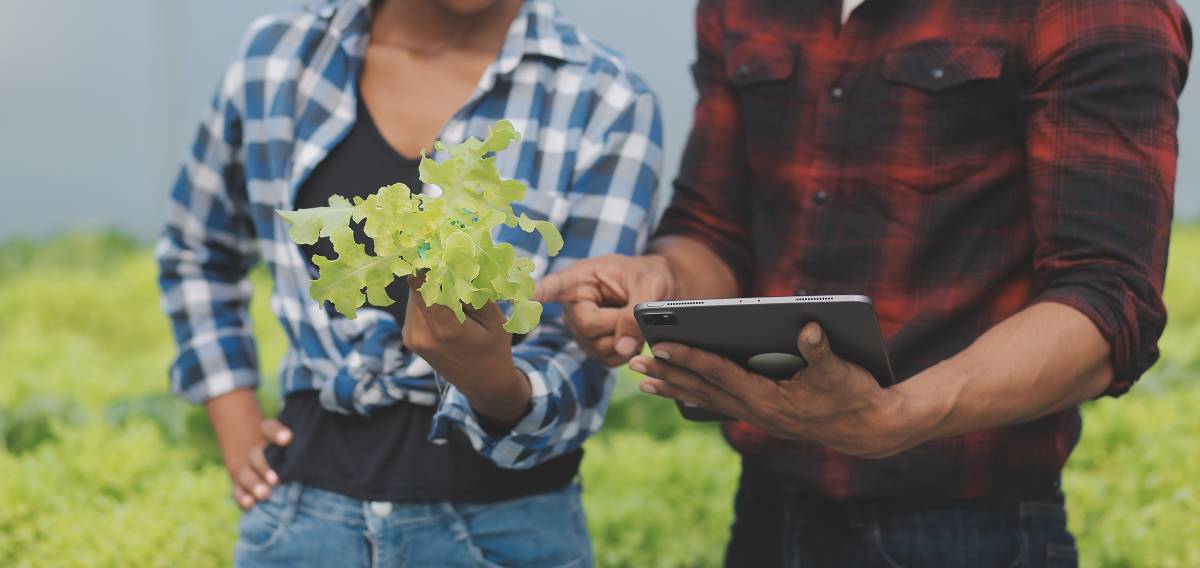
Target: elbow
{"x": 1125, "y": 307}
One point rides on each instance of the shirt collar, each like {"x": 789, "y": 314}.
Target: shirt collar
{"x": 537, "y": 31}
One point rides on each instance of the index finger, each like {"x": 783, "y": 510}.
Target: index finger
{"x": 560, "y": 286}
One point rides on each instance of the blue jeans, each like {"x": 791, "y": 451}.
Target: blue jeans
{"x": 776, "y": 525}
{"x": 304, "y": 526}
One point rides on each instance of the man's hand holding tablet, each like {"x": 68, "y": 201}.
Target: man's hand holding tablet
{"x": 832, "y": 401}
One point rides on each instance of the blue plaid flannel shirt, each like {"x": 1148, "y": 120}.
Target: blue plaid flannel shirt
{"x": 591, "y": 155}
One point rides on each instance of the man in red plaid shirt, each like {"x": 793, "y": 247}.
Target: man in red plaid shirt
{"x": 997, "y": 177}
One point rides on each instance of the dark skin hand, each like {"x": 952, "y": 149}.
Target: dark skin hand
{"x": 243, "y": 434}
{"x": 595, "y": 297}
{"x": 1063, "y": 361}
{"x": 598, "y": 294}
{"x": 475, "y": 356}
{"x": 832, "y": 402}
{"x": 1046, "y": 358}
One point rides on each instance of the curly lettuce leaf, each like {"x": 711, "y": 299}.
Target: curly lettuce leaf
{"x": 343, "y": 279}
{"x": 306, "y": 225}
{"x": 448, "y": 237}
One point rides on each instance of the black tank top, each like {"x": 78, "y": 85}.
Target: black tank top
{"x": 387, "y": 456}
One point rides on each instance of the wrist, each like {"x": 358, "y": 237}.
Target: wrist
{"x": 694, "y": 270}
{"x": 920, "y": 415}
{"x": 503, "y": 398}
{"x": 664, "y": 267}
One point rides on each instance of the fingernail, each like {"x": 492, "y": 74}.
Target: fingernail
{"x": 247, "y": 501}
{"x": 662, "y": 354}
{"x": 648, "y": 388}
{"x": 283, "y": 436}
{"x": 814, "y": 337}
{"x": 261, "y": 491}
{"x": 637, "y": 366}
{"x": 626, "y": 346}
{"x": 272, "y": 477}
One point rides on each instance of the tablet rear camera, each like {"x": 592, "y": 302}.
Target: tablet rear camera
{"x": 660, "y": 319}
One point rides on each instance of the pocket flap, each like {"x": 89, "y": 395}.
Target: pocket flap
{"x": 938, "y": 66}
{"x": 750, "y": 60}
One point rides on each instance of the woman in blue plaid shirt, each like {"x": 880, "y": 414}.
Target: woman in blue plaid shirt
{"x": 372, "y": 459}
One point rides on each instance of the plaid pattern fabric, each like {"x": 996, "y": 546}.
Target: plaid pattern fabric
{"x": 955, "y": 160}
{"x": 590, "y": 155}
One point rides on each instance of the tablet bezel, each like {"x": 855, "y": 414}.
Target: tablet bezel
{"x": 739, "y": 328}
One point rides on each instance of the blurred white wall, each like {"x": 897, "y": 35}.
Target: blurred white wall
{"x": 99, "y": 100}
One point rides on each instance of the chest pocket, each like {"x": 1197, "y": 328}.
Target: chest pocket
{"x": 937, "y": 67}
{"x": 763, "y": 72}
{"x": 949, "y": 103}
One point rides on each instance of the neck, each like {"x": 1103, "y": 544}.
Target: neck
{"x": 427, "y": 25}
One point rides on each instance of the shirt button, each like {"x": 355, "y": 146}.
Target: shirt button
{"x": 837, "y": 93}
{"x": 743, "y": 71}
{"x": 820, "y": 197}
{"x": 938, "y": 73}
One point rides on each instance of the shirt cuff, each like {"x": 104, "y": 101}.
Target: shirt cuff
{"x": 520, "y": 447}
{"x": 733, "y": 254}
{"x": 1127, "y": 366}
{"x": 217, "y": 384}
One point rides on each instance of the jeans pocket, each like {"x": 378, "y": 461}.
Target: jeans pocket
{"x": 540, "y": 531}
{"x": 1051, "y": 544}
{"x": 970, "y": 537}
{"x": 265, "y": 524}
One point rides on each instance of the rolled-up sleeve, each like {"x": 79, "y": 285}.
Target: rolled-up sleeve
{"x": 204, "y": 255}
{"x": 611, "y": 200}
{"x": 711, "y": 202}
{"x": 1102, "y": 149}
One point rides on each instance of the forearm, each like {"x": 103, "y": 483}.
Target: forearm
{"x": 1044, "y": 359}
{"x": 695, "y": 270}
{"x": 236, "y": 418}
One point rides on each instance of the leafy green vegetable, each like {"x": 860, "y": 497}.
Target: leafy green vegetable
{"x": 449, "y": 237}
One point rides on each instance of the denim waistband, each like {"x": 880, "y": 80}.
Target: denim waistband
{"x": 766, "y": 484}
{"x": 335, "y": 507}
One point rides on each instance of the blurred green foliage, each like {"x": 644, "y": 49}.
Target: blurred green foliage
{"x": 99, "y": 467}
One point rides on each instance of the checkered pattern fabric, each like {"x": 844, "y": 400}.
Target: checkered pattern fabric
{"x": 956, "y": 161}
{"x": 591, "y": 155}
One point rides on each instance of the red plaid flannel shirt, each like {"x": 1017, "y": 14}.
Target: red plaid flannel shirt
{"x": 956, "y": 161}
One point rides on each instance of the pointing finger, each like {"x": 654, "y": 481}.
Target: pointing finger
{"x": 560, "y": 286}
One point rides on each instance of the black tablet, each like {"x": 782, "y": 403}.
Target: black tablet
{"x": 760, "y": 334}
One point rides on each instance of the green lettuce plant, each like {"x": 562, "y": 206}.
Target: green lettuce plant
{"x": 447, "y": 237}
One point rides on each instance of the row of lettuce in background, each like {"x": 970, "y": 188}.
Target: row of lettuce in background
{"x": 100, "y": 467}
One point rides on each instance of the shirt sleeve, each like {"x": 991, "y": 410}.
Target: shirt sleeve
{"x": 1101, "y": 137}
{"x": 204, "y": 255}
{"x": 711, "y": 203}
{"x": 611, "y": 198}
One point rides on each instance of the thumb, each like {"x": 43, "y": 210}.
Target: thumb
{"x": 276, "y": 433}
{"x": 814, "y": 346}
{"x": 628, "y": 335}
